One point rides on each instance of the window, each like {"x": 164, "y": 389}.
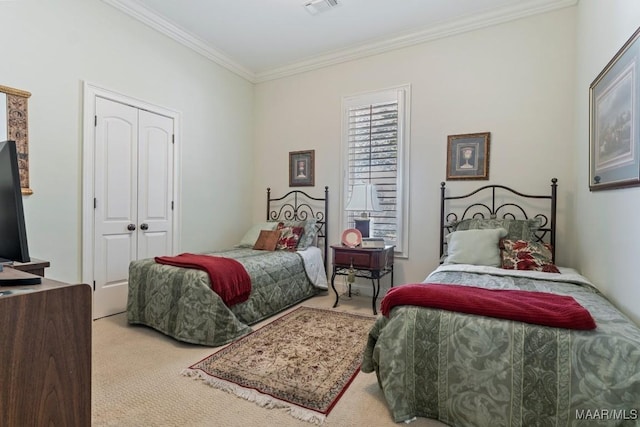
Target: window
{"x": 375, "y": 145}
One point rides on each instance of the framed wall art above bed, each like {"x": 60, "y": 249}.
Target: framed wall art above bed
{"x": 468, "y": 156}
{"x": 302, "y": 168}
{"x": 614, "y": 121}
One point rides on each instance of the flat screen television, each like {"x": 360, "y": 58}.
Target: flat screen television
{"x": 13, "y": 234}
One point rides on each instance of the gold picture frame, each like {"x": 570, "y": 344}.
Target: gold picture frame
{"x": 614, "y": 121}
{"x": 14, "y": 126}
{"x": 468, "y": 156}
{"x": 302, "y": 168}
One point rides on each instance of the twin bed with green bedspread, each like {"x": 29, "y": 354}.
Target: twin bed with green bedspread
{"x": 480, "y": 371}
{"x": 468, "y": 370}
{"x": 180, "y": 302}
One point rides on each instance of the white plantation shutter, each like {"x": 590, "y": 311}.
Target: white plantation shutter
{"x": 375, "y": 142}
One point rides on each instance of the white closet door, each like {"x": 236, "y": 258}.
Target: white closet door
{"x": 133, "y": 178}
{"x": 155, "y": 185}
{"x": 116, "y": 203}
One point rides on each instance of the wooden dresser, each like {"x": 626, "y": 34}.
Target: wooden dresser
{"x": 45, "y": 354}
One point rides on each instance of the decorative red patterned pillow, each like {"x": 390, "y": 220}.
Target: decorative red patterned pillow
{"x": 289, "y": 237}
{"x": 526, "y": 255}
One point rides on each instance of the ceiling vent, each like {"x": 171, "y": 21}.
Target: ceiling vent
{"x": 316, "y": 6}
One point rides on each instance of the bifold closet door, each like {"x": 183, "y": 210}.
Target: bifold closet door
{"x": 133, "y": 187}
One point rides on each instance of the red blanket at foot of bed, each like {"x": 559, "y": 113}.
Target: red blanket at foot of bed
{"x": 228, "y": 277}
{"x": 539, "y": 308}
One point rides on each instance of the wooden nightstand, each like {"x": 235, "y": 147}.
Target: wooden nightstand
{"x": 366, "y": 263}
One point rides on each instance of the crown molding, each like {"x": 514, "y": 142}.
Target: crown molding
{"x": 153, "y": 20}
{"x": 445, "y": 29}
{"x": 438, "y": 31}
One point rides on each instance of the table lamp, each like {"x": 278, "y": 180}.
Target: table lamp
{"x": 364, "y": 199}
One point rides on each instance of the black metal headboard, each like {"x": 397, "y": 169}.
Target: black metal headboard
{"x": 484, "y": 205}
{"x": 297, "y": 205}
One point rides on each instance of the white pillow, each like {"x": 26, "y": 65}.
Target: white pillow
{"x": 250, "y": 237}
{"x": 477, "y": 247}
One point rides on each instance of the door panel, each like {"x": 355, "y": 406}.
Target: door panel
{"x": 115, "y": 202}
{"x": 114, "y": 288}
{"x": 154, "y": 243}
{"x": 118, "y": 257}
{"x": 155, "y": 178}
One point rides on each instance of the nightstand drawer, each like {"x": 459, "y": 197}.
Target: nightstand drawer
{"x": 359, "y": 259}
{"x": 366, "y": 259}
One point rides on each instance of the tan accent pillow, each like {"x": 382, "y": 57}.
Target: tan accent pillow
{"x": 267, "y": 240}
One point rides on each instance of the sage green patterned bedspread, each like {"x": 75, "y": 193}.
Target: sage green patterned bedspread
{"x": 179, "y": 302}
{"x": 468, "y": 370}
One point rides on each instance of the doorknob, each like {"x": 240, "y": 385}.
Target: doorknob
{"x": 144, "y": 226}
{"x": 131, "y": 227}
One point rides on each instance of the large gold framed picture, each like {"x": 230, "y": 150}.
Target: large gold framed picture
{"x": 614, "y": 121}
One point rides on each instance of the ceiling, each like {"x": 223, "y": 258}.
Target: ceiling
{"x": 267, "y": 39}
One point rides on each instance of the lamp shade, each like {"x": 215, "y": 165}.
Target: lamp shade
{"x": 364, "y": 198}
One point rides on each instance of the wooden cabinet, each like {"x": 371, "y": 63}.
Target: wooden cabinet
{"x": 45, "y": 354}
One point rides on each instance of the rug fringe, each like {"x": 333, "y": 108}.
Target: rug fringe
{"x": 258, "y": 398}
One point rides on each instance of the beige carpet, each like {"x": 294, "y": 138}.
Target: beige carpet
{"x": 137, "y": 381}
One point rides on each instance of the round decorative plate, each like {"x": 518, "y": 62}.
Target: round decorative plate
{"x": 351, "y": 237}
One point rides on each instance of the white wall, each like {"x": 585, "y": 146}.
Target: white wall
{"x": 607, "y": 232}
{"x": 514, "y": 80}
{"x": 50, "y": 47}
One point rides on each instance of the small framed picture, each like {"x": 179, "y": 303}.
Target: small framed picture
{"x": 301, "y": 168}
{"x": 614, "y": 121}
{"x": 468, "y": 156}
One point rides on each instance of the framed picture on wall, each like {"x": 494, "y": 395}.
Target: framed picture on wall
{"x": 468, "y": 156}
{"x": 301, "y": 168}
{"x": 614, "y": 121}
{"x": 14, "y": 126}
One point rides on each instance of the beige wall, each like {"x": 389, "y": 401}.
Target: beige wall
{"x": 514, "y": 80}
{"x": 526, "y": 82}
{"x": 50, "y": 48}
{"x": 607, "y": 232}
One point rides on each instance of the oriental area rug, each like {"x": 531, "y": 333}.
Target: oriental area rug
{"x": 303, "y": 361}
